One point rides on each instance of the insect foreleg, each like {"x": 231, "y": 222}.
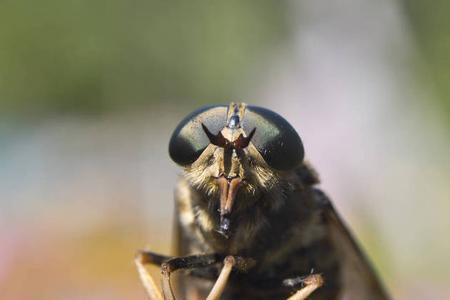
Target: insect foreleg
{"x": 311, "y": 283}
{"x": 217, "y": 290}
{"x": 147, "y": 281}
{"x": 170, "y": 265}
{"x": 179, "y": 263}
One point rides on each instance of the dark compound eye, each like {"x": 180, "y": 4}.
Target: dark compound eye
{"x": 276, "y": 140}
{"x": 189, "y": 139}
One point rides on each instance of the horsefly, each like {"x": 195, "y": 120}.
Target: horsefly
{"x": 251, "y": 221}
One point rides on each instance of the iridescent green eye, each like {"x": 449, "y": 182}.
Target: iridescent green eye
{"x": 276, "y": 140}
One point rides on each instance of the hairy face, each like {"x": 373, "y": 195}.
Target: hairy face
{"x": 247, "y": 164}
{"x": 242, "y": 165}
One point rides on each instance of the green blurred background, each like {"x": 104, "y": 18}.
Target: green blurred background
{"x": 91, "y": 90}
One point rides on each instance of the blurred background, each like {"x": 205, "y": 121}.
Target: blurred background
{"x": 90, "y": 92}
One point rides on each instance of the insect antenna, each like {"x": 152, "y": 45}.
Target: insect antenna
{"x": 218, "y": 139}
{"x": 242, "y": 142}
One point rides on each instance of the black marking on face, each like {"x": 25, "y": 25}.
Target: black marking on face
{"x": 219, "y": 140}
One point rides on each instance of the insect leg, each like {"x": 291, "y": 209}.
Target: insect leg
{"x": 187, "y": 262}
{"x": 147, "y": 281}
{"x": 217, "y": 290}
{"x": 311, "y": 282}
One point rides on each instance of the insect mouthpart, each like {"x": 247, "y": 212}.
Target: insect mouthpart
{"x": 228, "y": 189}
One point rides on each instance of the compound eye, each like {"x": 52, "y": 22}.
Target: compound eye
{"x": 189, "y": 139}
{"x": 276, "y": 140}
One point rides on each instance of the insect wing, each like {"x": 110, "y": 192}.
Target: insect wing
{"x": 359, "y": 278}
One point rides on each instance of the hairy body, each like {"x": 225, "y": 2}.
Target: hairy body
{"x": 286, "y": 240}
{"x": 246, "y": 194}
